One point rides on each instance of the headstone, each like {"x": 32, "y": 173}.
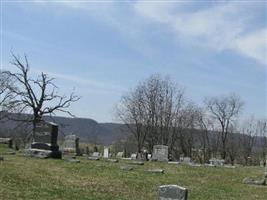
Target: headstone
{"x": 1, "y": 158}
{"x": 93, "y": 158}
{"x": 133, "y": 156}
{"x": 160, "y": 153}
{"x": 106, "y": 152}
{"x": 119, "y": 155}
{"x": 112, "y": 160}
{"x": 95, "y": 154}
{"x": 216, "y": 162}
{"x": 71, "y": 144}
{"x": 156, "y": 171}
{"x": 126, "y": 168}
{"x": 172, "y": 192}
{"x": 45, "y": 141}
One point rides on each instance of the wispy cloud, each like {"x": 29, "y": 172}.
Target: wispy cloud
{"x": 218, "y": 27}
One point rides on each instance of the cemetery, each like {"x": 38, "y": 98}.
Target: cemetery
{"x": 100, "y": 176}
{"x": 133, "y": 100}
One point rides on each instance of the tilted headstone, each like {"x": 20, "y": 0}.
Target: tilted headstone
{"x": 119, "y": 155}
{"x": 172, "y": 192}
{"x": 106, "y": 152}
{"x": 45, "y": 140}
{"x": 160, "y": 153}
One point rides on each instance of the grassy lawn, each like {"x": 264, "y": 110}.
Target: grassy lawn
{"x": 31, "y": 178}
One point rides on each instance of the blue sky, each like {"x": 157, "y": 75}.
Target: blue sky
{"x": 102, "y": 49}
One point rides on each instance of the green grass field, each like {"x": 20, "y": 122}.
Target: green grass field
{"x": 44, "y": 179}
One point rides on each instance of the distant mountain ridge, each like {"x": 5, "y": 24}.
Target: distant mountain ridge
{"x": 87, "y": 129}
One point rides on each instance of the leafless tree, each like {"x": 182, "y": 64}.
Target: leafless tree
{"x": 205, "y": 125}
{"x": 38, "y": 96}
{"x": 6, "y": 82}
{"x": 225, "y": 110}
{"x": 148, "y": 111}
{"x": 249, "y": 133}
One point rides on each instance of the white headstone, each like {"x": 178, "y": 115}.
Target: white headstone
{"x": 106, "y": 152}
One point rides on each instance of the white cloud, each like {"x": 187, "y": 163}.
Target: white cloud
{"x": 218, "y": 27}
{"x": 253, "y": 45}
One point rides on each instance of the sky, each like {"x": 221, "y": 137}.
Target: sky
{"x": 102, "y": 49}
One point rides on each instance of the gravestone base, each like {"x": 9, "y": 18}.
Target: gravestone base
{"x": 40, "y": 153}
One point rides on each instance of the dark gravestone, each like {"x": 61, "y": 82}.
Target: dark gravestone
{"x": 45, "y": 141}
{"x": 172, "y": 192}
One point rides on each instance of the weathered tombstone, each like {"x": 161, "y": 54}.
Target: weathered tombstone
{"x": 160, "y": 153}
{"x": 126, "y": 168}
{"x": 216, "y": 162}
{"x": 106, "y": 152}
{"x": 45, "y": 141}
{"x": 71, "y": 144}
{"x": 172, "y": 192}
{"x": 133, "y": 156}
{"x": 119, "y": 154}
{"x": 95, "y": 156}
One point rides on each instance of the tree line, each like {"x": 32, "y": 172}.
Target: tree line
{"x": 157, "y": 111}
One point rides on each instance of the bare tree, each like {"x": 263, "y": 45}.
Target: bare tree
{"x": 38, "y": 96}
{"x": 148, "y": 111}
{"x": 249, "y": 134}
{"x": 131, "y": 111}
{"x": 225, "y": 110}
{"x": 205, "y": 125}
{"x": 6, "y": 82}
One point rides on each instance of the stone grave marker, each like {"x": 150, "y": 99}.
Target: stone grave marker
{"x": 106, "y": 152}
{"x": 172, "y": 192}
{"x": 216, "y": 162}
{"x": 119, "y": 154}
{"x": 95, "y": 156}
{"x": 112, "y": 160}
{"x": 156, "y": 171}
{"x": 126, "y": 168}
{"x": 45, "y": 141}
{"x": 71, "y": 144}
{"x": 133, "y": 156}
{"x": 160, "y": 153}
